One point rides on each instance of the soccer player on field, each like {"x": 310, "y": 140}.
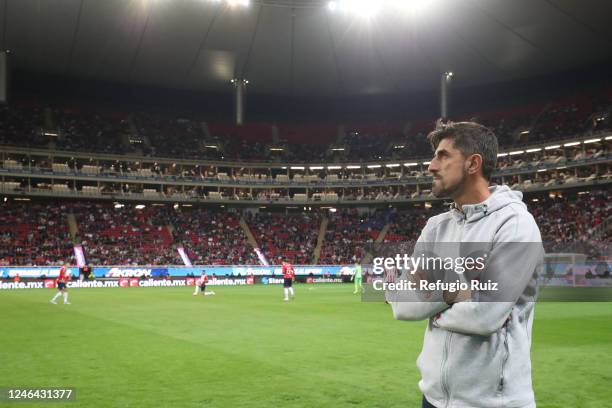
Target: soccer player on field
{"x": 288, "y": 278}
{"x": 62, "y": 279}
{"x": 357, "y": 278}
{"x": 200, "y": 284}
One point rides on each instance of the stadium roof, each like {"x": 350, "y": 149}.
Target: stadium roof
{"x": 303, "y": 47}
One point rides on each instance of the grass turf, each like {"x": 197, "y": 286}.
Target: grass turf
{"x": 245, "y": 347}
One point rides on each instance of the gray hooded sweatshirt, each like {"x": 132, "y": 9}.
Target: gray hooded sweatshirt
{"x": 477, "y": 354}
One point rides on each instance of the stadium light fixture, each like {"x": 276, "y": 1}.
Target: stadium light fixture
{"x": 541, "y": 170}
{"x": 139, "y": 206}
{"x": 571, "y": 144}
{"x": 374, "y": 166}
{"x": 333, "y": 209}
{"x": 297, "y": 167}
{"x": 334, "y": 167}
{"x": 592, "y": 141}
{"x": 338, "y": 149}
{"x": 552, "y": 147}
{"x": 502, "y": 154}
{"x": 399, "y": 146}
{"x": 525, "y": 132}
{"x": 533, "y": 150}
{"x": 363, "y": 8}
{"x": 244, "y": 3}
{"x": 410, "y": 164}
{"x": 392, "y": 165}
{"x": 353, "y": 167}
{"x": 119, "y": 205}
{"x": 516, "y": 152}
{"x": 426, "y": 163}
{"x": 276, "y": 149}
{"x": 316, "y": 167}
{"x": 609, "y": 138}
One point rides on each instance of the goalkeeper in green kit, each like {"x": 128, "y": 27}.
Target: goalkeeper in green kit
{"x": 357, "y": 278}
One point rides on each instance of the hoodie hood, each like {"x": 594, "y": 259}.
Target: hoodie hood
{"x": 501, "y": 196}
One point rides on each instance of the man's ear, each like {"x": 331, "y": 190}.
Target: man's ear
{"x": 474, "y": 163}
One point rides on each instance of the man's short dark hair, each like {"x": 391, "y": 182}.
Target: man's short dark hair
{"x": 469, "y": 138}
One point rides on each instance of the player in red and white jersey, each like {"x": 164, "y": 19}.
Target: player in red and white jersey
{"x": 61, "y": 281}
{"x": 200, "y": 285}
{"x": 288, "y": 278}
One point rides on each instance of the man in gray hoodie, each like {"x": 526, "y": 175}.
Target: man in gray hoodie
{"x": 476, "y": 353}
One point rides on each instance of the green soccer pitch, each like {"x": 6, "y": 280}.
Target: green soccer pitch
{"x": 245, "y": 347}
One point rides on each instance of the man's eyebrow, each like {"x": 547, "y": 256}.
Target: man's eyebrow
{"x": 439, "y": 151}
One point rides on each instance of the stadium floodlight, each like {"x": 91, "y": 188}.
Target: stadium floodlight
{"x": 337, "y": 149}
{"x": 541, "y": 170}
{"x": 399, "y": 146}
{"x": 392, "y": 165}
{"x": 517, "y": 152}
{"x": 571, "y": 144}
{"x": 426, "y": 163}
{"x": 334, "y": 167}
{"x": 332, "y": 209}
{"x": 139, "y": 206}
{"x": 353, "y": 167}
{"x": 592, "y": 140}
{"x": 297, "y": 167}
{"x": 363, "y": 8}
{"x": 608, "y": 137}
{"x": 525, "y": 132}
{"x": 533, "y": 150}
{"x": 276, "y": 149}
{"x": 374, "y": 166}
{"x": 410, "y": 164}
{"x": 502, "y": 154}
{"x": 119, "y": 205}
{"x": 316, "y": 167}
{"x": 244, "y": 3}
{"x": 552, "y": 147}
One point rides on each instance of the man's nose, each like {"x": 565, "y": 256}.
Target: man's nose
{"x": 432, "y": 168}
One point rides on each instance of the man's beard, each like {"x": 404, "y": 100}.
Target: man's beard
{"x": 450, "y": 191}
